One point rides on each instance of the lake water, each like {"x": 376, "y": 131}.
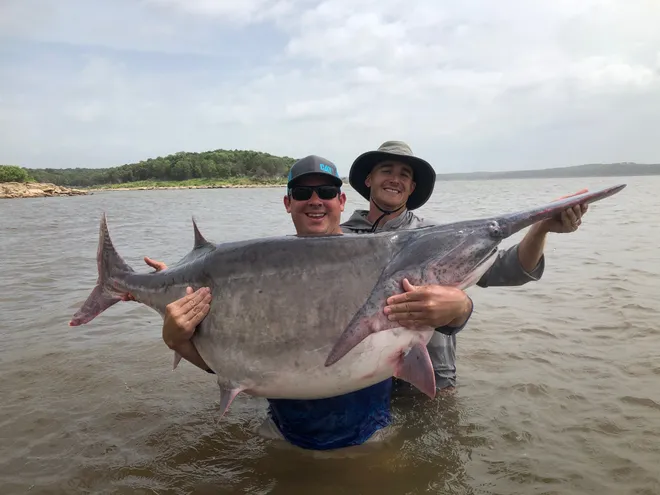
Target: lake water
{"x": 559, "y": 380}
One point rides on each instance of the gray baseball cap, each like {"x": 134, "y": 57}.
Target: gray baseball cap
{"x": 311, "y": 165}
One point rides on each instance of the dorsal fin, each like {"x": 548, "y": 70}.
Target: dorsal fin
{"x": 199, "y": 238}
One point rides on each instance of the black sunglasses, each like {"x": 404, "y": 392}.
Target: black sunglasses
{"x": 303, "y": 193}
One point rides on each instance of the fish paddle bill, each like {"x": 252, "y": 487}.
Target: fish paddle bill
{"x": 515, "y": 222}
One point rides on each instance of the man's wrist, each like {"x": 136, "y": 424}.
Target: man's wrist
{"x": 181, "y": 346}
{"x": 539, "y": 229}
{"x": 467, "y": 306}
{"x": 459, "y": 322}
{"x": 466, "y": 309}
{"x": 174, "y": 345}
{"x": 174, "y": 338}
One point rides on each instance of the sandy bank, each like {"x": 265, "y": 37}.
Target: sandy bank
{"x": 11, "y": 190}
{"x": 212, "y": 186}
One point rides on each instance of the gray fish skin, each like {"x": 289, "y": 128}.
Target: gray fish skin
{"x": 278, "y": 306}
{"x": 302, "y": 317}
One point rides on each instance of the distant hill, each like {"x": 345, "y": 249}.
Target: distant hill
{"x": 590, "y": 170}
{"x": 259, "y": 167}
{"x": 218, "y": 165}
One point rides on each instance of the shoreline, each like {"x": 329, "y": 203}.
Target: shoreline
{"x": 16, "y": 190}
{"x": 204, "y": 186}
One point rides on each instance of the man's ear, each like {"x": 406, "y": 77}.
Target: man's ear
{"x": 287, "y": 203}
{"x": 367, "y": 181}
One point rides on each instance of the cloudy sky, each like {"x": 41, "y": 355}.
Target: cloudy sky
{"x": 470, "y": 85}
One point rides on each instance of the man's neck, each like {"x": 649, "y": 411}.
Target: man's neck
{"x": 336, "y": 231}
{"x": 374, "y": 214}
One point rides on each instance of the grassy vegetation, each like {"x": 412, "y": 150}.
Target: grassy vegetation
{"x": 14, "y": 173}
{"x": 218, "y": 167}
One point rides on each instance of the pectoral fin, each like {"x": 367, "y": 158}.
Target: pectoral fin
{"x": 177, "y": 360}
{"x": 364, "y": 323}
{"x": 227, "y": 396}
{"x": 416, "y": 369}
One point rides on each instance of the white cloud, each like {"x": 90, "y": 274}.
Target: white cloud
{"x": 472, "y": 85}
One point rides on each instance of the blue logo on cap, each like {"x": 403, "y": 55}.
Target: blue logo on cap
{"x": 326, "y": 168}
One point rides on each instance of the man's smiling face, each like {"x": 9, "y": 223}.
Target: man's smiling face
{"x": 315, "y": 215}
{"x": 391, "y": 184}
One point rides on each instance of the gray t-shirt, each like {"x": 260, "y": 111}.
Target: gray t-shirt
{"x": 505, "y": 271}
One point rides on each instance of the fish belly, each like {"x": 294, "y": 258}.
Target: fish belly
{"x": 303, "y": 375}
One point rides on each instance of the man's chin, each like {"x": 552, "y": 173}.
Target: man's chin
{"x": 390, "y": 201}
{"x": 315, "y": 227}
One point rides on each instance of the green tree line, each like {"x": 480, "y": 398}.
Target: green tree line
{"x": 14, "y": 173}
{"x": 218, "y": 164}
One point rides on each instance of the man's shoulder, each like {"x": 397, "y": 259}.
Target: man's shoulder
{"x": 357, "y": 222}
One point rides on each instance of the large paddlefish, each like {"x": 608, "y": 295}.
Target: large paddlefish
{"x": 302, "y": 317}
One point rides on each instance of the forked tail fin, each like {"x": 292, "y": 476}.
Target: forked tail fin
{"x": 111, "y": 270}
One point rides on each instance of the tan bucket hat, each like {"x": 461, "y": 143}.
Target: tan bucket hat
{"x": 423, "y": 173}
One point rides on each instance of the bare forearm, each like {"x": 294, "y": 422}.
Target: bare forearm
{"x": 466, "y": 311}
{"x": 530, "y": 249}
{"x": 190, "y": 354}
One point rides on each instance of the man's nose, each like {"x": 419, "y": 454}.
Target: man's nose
{"x": 314, "y": 199}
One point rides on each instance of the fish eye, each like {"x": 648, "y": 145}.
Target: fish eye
{"x": 494, "y": 228}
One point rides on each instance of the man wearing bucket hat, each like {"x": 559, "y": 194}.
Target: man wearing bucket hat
{"x": 401, "y": 183}
{"x": 396, "y": 182}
